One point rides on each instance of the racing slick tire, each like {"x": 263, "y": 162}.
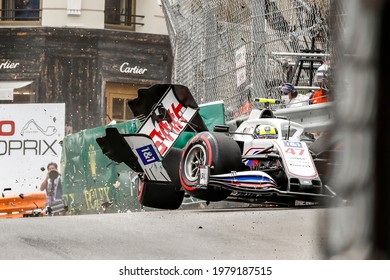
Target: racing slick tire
{"x": 164, "y": 195}
{"x": 216, "y": 150}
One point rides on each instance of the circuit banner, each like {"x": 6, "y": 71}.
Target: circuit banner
{"x": 30, "y": 138}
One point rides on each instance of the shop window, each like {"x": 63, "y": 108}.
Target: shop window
{"x": 121, "y": 13}
{"x": 120, "y": 110}
{"x": 20, "y": 10}
{"x": 117, "y": 96}
{"x": 17, "y": 92}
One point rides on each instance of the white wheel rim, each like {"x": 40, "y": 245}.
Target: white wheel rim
{"x": 196, "y": 157}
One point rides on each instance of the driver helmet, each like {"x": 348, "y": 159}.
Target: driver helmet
{"x": 287, "y": 88}
{"x": 321, "y": 75}
{"x": 266, "y": 132}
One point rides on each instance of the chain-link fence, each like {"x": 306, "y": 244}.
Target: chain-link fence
{"x": 235, "y": 50}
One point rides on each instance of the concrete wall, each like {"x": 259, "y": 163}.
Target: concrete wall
{"x": 154, "y": 17}
{"x": 66, "y": 13}
{"x": 59, "y": 13}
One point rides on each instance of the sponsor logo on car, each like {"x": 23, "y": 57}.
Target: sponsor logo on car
{"x": 293, "y": 144}
{"x": 147, "y": 154}
{"x": 164, "y": 133}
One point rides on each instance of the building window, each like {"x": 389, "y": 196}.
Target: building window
{"x": 121, "y": 13}
{"x": 20, "y": 10}
{"x": 120, "y": 111}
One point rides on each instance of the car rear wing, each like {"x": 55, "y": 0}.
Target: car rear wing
{"x": 170, "y": 109}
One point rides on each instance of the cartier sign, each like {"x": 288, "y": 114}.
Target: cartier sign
{"x": 129, "y": 69}
{"x": 9, "y": 65}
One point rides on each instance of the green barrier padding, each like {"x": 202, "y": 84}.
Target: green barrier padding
{"x": 92, "y": 183}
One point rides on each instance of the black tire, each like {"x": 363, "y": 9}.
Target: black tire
{"x": 160, "y": 194}
{"x": 216, "y": 150}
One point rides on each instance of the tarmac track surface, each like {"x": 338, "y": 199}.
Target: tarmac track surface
{"x": 206, "y": 234}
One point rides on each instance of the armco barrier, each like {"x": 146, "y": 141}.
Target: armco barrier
{"x": 314, "y": 118}
{"x": 23, "y": 205}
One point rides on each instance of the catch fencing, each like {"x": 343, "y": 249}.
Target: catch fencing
{"x": 236, "y": 50}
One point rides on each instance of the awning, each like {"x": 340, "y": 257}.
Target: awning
{"x": 7, "y": 88}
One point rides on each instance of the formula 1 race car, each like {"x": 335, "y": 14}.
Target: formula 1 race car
{"x": 263, "y": 160}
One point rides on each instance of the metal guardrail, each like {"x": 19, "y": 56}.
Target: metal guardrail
{"x": 301, "y": 54}
{"x": 314, "y": 118}
{"x": 20, "y": 14}
{"x": 128, "y": 20}
{"x": 23, "y": 205}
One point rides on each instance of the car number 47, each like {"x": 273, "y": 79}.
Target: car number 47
{"x": 294, "y": 151}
